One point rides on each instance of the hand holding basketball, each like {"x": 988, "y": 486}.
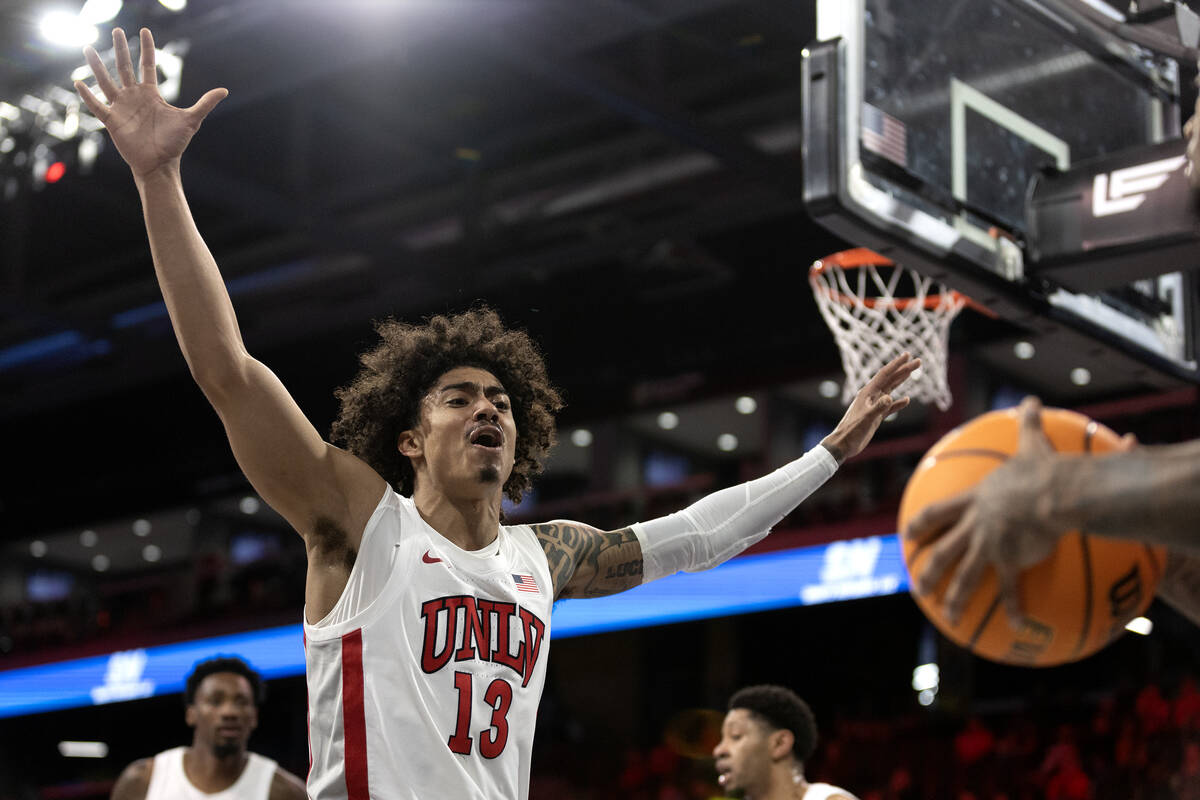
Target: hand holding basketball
{"x": 870, "y": 406}
{"x": 1004, "y": 521}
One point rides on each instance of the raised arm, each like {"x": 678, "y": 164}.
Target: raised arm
{"x": 587, "y": 562}
{"x": 325, "y": 493}
{"x": 1015, "y": 516}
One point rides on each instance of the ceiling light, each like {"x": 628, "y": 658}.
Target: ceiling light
{"x": 151, "y": 553}
{"x": 95, "y": 12}
{"x": 67, "y": 30}
{"x": 581, "y": 437}
{"x": 745, "y": 405}
{"x": 925, "y": 697}
{"x": 668, "y": 420}
{"x": 88, "y": 538}
{"x": 141, "y": 527}
{"x": 926, "y": 676}
{"x": 173, "y": 5}
{"x": 249, "y": 504}
{"x": 727, "y": 442}
{"x": 1024, "y": 350}
{"x": 829, "y": 388}
{"x": 1080, "y": 376}
{"x": 100, "y": 562}
{"x": 37, "y": 548}
{"x": 83, "y": 749}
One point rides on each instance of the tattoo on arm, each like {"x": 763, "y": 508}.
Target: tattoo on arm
{"x": 586, "y": 562}
{"x": 1180, "y": 584}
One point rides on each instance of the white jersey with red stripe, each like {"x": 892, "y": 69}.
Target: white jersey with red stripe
{"x": 169, "y": 781}
{"x": 823, "y": 791}
{"x": 424, "y": 679}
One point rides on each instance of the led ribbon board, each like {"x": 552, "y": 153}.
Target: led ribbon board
{"x": 841, "y": 570}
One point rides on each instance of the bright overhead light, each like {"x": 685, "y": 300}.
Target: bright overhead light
{"x": 100, "y": 562}
{"x": 249, "y": 504}
{"x": 745, "y": 405}
{"x": 926, "y": 676}
{"x": 829, "y": 388}
{"x": 83, "y": 749}
{"x": 151, "y": 553}
{"x": 141, "y": 527}
{"x": 1080, "y": 376}
{"x": 173, "y": 5}
{"x": 925, "y": 697}
{"x": 88, "y": 538}
{"x": 581, "y": 437}
{"x": 95, "y": 12}
{"x": 1024, "y": 350}
{"x": 1140, "y": 625}
{"x": 37, "y": 548}
{"x": 67, "y": 30}
{"x": 727, "y": 442}
{"x": 668, "y": 420}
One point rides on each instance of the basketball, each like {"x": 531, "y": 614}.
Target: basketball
{"x": 1076, "y": 601}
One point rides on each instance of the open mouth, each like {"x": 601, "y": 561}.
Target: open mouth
{"x": 487, "y": 436}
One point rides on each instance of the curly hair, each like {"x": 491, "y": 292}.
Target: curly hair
{"x": 224, "y": 664}
{"x": 781, "y": 708}
{"x": 384, "y": 399}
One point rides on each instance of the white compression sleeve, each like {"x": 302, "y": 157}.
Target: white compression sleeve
{"x": 723, "y": 524}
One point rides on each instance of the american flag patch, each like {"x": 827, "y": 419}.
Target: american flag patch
{"x": 884, "y": 134}
{"x": 525, "y": 583}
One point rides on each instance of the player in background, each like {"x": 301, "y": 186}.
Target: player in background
{"x": 767, "y": 735}
{"x": 426, "y": 621}
{"x": 222, "y": 698}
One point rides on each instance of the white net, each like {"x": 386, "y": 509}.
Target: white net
{"x": 856, "y": 292}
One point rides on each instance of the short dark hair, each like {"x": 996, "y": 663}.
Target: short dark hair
{"x": 782, "y": 709}
{"x": 384, "y": 399}
{"x": 224, "y": 664}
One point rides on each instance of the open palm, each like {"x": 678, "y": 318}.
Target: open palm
{"x": 148, "y": 132}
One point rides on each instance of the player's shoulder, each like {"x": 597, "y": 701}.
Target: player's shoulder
{"x": 286, "y": 786}
{"x": 134, "y": 781}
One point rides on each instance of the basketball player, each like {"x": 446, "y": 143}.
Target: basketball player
{"x": 426, "y": 621}
{"x": 1014, "y": 517}
{"x": 222, "y": 698}
{"x": 767, "y": 736}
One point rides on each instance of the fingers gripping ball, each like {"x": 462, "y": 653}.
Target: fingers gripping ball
{"x": 1077, "y": 600}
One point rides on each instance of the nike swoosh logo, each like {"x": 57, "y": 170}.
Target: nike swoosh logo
{"x": 428, "y": 559}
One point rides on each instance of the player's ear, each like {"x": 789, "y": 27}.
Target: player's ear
{"x": 780, "y": 743}
{"x": 189, "y": 716}
{"x": 411, "y": 443}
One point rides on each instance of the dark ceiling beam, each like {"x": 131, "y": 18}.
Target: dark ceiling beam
{"x": 647, "y": 109}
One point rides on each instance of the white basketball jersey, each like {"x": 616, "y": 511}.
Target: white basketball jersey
{"x": 424, "y": 679}
{"x": 168, "y": 781}
{"x": 823, "y": 791}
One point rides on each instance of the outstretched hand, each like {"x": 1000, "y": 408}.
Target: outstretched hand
{"x": 872, "y": 404}
{"x": 1005, "y": 522}
{"x": 148, "y": 132}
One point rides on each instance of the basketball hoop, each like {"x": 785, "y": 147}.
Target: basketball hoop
{"x": 872, "y": 325}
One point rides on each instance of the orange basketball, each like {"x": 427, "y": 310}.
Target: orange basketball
{"x": 1077, "y": 600}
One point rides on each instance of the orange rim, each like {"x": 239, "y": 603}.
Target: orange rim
{"x": 863, "y": 257}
